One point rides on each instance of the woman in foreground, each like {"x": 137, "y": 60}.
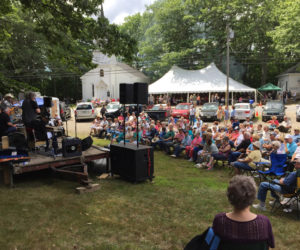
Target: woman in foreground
{"x": 241, "y": 227}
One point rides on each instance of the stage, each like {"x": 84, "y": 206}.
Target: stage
{"x": 58, "y": 164}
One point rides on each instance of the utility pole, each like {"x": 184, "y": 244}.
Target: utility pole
{"x": 227, "y": 66}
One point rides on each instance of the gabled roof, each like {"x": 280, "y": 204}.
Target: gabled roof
{"x": 209, "y": 79}
{"x": 293, "y": 69}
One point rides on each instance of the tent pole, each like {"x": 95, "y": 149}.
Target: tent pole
{"x": 232, "y": 98}
{"x": 208, "y": 96}
{"x": 187, "y": 98}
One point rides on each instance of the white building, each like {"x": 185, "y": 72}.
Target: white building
{"x": 103, "y": 81}
{"x": 290, "y": 79}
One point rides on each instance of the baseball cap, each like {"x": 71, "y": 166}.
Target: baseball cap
{"x": 288, "y": 137}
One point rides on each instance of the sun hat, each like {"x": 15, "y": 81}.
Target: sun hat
{"x": 256, "y": 144}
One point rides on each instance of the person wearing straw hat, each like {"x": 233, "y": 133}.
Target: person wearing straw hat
{"x": 8, "y": 101}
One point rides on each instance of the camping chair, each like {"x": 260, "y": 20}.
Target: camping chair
{"x": 277, "y": 169}
{"x": 292, "y": 197}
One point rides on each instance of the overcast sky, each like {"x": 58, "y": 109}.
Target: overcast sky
{"x": 117, "y": 10}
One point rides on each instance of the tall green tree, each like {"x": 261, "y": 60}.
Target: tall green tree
{"x": 193, "y": 33}
{"x": 47, "y": 43}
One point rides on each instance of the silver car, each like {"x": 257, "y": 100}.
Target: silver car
{"x": 243, "y": 111}
{"x": 85, "y": 110}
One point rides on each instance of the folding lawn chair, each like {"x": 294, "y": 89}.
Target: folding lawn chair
{"x": 277, "y": 168}
{"x": 292, "y": 197}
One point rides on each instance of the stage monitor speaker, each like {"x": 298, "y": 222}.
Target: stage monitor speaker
{"x": 140, "y": 93}
{"x": 71, "y": 147}
{"x": 126, "y": 93}
{"x": 131, "y": 162}
{"x": 47, "y": 102}
{"x": 17, "y": 140}
{"x": 86, "y": 143}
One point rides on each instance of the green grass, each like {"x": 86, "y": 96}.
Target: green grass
{"x": 45, "y": 213}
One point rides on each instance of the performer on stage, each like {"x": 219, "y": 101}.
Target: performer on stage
{"x": 33, "y": 119}
{"x": 30, "y": 109}
{"x": 6, "y": 126}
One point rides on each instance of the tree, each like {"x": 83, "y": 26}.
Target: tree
{"x": 286, "y": 35}
{"x": 49, "y": 43}
{"x": 192, "y": 34}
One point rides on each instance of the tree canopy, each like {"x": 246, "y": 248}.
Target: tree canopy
{"x": 47, "y": 45}
{"x": 193, "y": 33}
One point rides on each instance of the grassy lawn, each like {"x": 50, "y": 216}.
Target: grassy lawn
{"x": 45, "y": 213}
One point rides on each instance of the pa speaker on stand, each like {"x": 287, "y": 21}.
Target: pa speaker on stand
{"x": 140, "y": 93}
{"x": 126, "y": 93}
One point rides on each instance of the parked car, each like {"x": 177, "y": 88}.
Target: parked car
{"x": 209, "y": 111}
{"x": 159, "y": 112}
{"x": 244, "y": 110}
{"x": 112, "y": 107}
{"x": 181, "y": 109}
{"x": 65, "y": 111}
{"x": 120, "y": 110}
{"x": 298, "y": 113}
{"x": 85, "y": 110}
{"x": 273, "y": 108}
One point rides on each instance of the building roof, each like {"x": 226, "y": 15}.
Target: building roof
{"x": 103, "y": 60}
{"x": 209, "y": 79}
{"x": 293, "y": 69}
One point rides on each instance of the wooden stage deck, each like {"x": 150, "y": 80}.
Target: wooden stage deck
{"x": 39, "y": 162}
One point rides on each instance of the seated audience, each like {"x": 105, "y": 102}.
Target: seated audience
{"x": 241, "y": 148}
{"x": 285, "y": 185}
{"x": 273, "y": 122}
{"x": 285, "y": 125}
{"x": 95, "y": 128}
{"x": 222, "y": 154}
{"x": 6, "y": 126}
{"x": 187, "y": 140}
{"x": 248, "y": 163}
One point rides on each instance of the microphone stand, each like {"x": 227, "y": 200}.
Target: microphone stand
{"x": 137, "y": 126}
{"x": 124, "y": 130}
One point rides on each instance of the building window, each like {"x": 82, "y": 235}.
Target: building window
{"x": 101, "y": 72}
{"x": 93, "y": 90}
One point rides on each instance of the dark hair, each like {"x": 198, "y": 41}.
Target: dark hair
{"x": 241, "y": 191}
{"x": 209, "y": 141}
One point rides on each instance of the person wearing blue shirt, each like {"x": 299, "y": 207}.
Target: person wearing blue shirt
{"x": 235, "y": 124}
{"x": 185, "y": 142}
{"x": 232, "y": 113}
{"x": 285, "y": 185}
{"x": 296, "y": 137}
{"x": 290, "y": 145}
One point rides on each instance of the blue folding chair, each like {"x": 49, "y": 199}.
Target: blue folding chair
{"x": 278, "y": 166}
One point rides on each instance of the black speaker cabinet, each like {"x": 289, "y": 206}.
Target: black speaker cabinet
{"x": 126, "y": 93}
{"x": 71, "y": 147}
{"x": 47, "y": 102}
{"x": 140, "y": 93}
{"x": 132, "y": 163}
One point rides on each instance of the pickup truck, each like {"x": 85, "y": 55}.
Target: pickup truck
{"x": 159, "y": 112}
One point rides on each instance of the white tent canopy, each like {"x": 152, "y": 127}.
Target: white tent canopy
{"x": 206, "y": 80}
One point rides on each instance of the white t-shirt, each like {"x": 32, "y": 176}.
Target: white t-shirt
{"x": 297, "y": 152}
{"x": 192, "y": 111}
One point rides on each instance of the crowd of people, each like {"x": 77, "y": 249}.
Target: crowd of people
{"x": 240, "y": 144}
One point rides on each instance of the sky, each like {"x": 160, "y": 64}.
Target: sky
{"x": 117, "y": 10}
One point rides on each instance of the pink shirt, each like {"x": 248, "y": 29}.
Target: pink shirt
{"x": 196, "y": 141}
